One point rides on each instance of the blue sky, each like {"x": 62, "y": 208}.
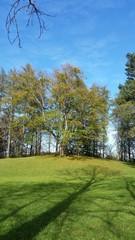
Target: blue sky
{"x": 94, "y": 35}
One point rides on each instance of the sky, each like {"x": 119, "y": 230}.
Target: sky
{"x": 94, "y": 35}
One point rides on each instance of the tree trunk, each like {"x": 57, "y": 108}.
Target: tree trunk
{"x": 61, "y": 150}
{"x": 9, "y": 140}
{"x": 22, "y": 143}
{"x": 129, "y": 153}
{"x": 38, "y": 142}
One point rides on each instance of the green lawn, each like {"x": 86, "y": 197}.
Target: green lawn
{"x": 53, "y": 198}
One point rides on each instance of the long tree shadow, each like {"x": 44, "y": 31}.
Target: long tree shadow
{"x": 32, "y": 228}
{"x": 14, "y": 212}
{"x": 22, "y": 192}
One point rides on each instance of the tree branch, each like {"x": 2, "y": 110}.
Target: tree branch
{"x": 31, "y": 9}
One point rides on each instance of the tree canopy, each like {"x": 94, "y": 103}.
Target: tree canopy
{"x": 34, "y": 105}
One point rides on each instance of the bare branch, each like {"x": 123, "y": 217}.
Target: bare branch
{"x": 31, "y": 9}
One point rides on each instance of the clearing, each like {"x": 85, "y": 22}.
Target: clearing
{"x": 70, "y": 198}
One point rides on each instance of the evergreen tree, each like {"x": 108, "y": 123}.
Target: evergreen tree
{"x": 124, "y": 112}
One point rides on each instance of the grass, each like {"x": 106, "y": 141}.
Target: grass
{"x": 75, "y": 198}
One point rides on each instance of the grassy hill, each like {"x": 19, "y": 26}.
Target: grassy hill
{"x": 71, "y": 198}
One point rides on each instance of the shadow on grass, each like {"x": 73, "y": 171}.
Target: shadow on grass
{"x": 130, "y": 187}
{"x": 102, "y": 209}
{"x": 16, "y": 210}
{"x": 31, "y": 228}
{"x": 129, "y": 163}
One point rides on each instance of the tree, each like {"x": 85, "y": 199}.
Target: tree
{"x": 30, "y": 8}
{"x": 67, "y": 84}
{"x": 30, "y": 96}
{"x": 124, "y": 112}
{"x": 23, "y": 106}
{"x": 82, "y": 113}
{"x": 3, "y": 119}
{"x": 7, "y": 110}
{"x": 96, "y": 121}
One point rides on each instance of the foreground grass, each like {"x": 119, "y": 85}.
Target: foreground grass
{"x": 52, "y": 198}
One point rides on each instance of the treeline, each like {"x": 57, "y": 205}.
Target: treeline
{"x": 34, "y": 105}
{"x": 37, "y": 109}
{"x": 124, "y": 113}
